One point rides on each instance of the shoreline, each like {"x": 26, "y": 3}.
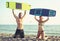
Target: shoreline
{"x": 8, "y": 37}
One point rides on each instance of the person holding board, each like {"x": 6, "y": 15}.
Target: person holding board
{"x": 40, "y": 34}
{"x": 42, "y": 12}
{"x": 19, "y": 20}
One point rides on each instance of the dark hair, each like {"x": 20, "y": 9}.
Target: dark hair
{"x": 19, "y": 15}
{"x": 40, "y": 17}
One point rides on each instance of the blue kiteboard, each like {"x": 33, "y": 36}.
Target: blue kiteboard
{"x": 42, "y": 12}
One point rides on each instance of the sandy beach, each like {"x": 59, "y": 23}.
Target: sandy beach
{"x": 9, "y": 37}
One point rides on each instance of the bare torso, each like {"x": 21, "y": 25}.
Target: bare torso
{"x": 19, "y": 23}
{"x": 40, "y": 27}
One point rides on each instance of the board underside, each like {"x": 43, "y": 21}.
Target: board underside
{"x": 14, "y": 5}
{"x": 42, "y": 12}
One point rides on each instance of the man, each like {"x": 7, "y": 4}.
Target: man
{"x": 19, "y": 20}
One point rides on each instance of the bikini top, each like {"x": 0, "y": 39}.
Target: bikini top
{"x": 41, "y": 24}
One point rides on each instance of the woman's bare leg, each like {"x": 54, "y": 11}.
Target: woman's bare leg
{"x": 38, "y": 35}
{"x": 42, "y": 35}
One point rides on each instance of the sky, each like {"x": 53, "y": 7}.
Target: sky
{"x": 6, "y": 16}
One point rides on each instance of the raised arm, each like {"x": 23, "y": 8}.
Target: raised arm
{"x": 36, "y": 19}
{"x": 24, "y": 14}
{"x": 46, "y": 20}
{"x": 14, "y": 14}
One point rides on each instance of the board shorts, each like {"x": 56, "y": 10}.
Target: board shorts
{"x": 19, "y": 33}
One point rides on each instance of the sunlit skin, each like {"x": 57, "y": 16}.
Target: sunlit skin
{"x": 19, "y": 19}
{"x": 40, "y": 34}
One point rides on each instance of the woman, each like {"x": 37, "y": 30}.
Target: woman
{"x": 40, "y": 27}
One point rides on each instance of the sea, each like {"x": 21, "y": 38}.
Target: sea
{"x": 50, "y": 30}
